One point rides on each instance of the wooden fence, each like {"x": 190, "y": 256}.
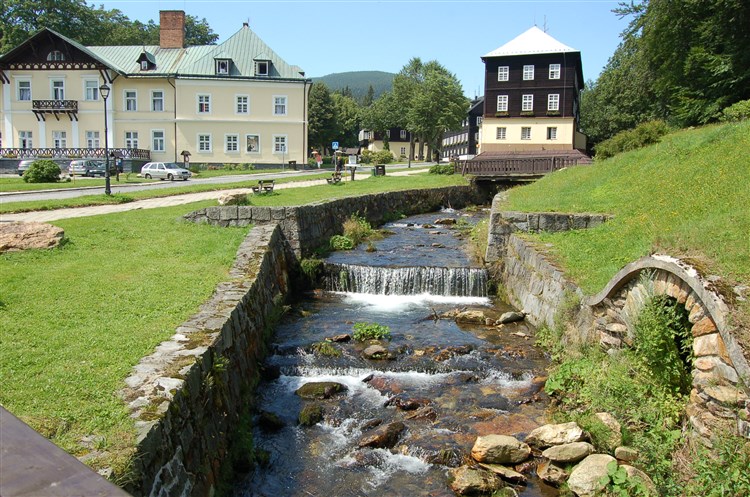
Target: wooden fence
{"x": 525, "y": 166}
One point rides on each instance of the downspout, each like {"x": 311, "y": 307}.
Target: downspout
{"x": 174, "y": 112}
{"x": 306, "y": 92}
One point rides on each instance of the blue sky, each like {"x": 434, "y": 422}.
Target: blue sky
{"x": 330, "y": 36}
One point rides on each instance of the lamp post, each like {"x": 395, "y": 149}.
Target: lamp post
{"x": 104, "y": 92}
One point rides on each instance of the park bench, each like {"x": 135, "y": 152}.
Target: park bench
{"x": 263, "y": 186}
{"x": 335, "y": 178}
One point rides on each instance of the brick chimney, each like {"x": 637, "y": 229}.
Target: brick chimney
{"x": 171, "y": 29}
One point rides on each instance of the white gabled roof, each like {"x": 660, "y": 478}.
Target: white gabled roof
{"x": 531, "y": 41}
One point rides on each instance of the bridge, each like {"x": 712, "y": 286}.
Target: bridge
{"x": 520, "y": 166}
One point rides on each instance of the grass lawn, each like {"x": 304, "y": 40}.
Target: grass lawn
{"x": 212, "y": 173}
{"x": 75, "y": 320}
{"x": 18, "y": 185}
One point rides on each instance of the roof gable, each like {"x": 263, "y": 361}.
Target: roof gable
{"x": 36, "y": 49}
{"x": 531, "y": 41}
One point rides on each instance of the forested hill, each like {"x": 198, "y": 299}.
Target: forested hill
{"x": 358, "y": 82}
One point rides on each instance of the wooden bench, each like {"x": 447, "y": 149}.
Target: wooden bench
{"x": 334, "y": 179}
{"x": 264, "y": 186}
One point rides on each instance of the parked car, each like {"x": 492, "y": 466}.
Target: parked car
{"x": 164, "y": 170}
{"x": 99, "y": 169}
{"x": 89, "y": 167}
{"x": 24, "y": 165}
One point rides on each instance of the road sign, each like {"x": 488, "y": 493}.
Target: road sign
{"x": 335, "y": 145}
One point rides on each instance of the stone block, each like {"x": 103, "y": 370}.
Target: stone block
{"x": 696, "y": 313}
{"x": 704, "y": 327}
{"x": 706, "y": 345}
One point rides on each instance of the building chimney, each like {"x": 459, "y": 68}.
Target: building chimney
{"x": 172, "y": 29}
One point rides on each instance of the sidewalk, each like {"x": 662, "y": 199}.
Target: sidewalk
{"x": 155, "y": 203}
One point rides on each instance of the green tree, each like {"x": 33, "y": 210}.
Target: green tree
{"x": 369, "y": 97}
{"x": 322, "y": 126}
{"x": 347, "y": 120}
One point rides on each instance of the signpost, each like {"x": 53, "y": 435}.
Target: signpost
{"x": 335, "y": 145}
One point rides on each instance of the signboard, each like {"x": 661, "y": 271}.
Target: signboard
{"x": 335, "y": 145}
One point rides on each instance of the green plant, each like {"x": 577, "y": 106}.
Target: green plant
{"x": 326, "y": 349}
{"x": 341, "y": 242}
{"x": 617, "y": 483}
{"x": 42, "y": 171}
{"x": 382, "y": 157}
{"x": 730, "y": 453}
{"x": 357, "y": 228}
{"x": 631, "y": 139}
{"x": 370, "y": 331}
{"x": 739, "y": 111}
{"x": 442, "y": 169}
{"x": 311, "y": 267}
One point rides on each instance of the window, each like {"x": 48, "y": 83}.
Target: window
{"x": 502, "y": 103}
{"x": 204, "y": 104}
{"x": 527, "y": 103}
{"x": 231, "y": 143}
{"x": 242, "y": 104}
{"x": 24, "y": 90}
{"x": 279, "y": 106}
{"x": 501, "y": 133}
{"x": 58, "y": 89}
{"x": 479, "y": 121}
{"x": 403, "y": 151}
{"x": 553, "y": 101}
{"x": 222, "y": 66}
{"x": 526, "y": 133}
{"x": 503, "y": 73}
{"x": 403, "y": 134}
{"x": 554, "y": 71}
{"x": 131, "y": 100}
{"x": 55, "y": 55}
{"x": 131, "y": 139}
{"x": 279, "y": 144}
{"x": 261, "y": 68}
{"x": 252, "y": 144}
{"x": 91, "y": 90}
{"x": 528, "y": 73}
{"x": 157, "y": 140}
{"x": 204, "y": 143}
{"x": 552, "y": 133}
{"x": 144, "y": 65}
{"x": 157, "y": 100}
{"x": 92, "y": 139}
{"x": 25, "y": 139}
{"x": 59, "y": 139}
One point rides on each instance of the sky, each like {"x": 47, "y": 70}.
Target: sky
{"x": 329, "y": 36}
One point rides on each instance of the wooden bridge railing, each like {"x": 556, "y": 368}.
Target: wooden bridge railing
{"x": 531, "y": 166}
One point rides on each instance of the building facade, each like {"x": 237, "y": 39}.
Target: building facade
{"x": 398, "y": 141}
{"x": 235, "y": 102}
{"x": 464, "y": 144}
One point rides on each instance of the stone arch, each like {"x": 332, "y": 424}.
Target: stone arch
{"x": 721, "y": 374}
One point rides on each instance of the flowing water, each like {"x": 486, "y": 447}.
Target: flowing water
{"x": 448, "y": 383}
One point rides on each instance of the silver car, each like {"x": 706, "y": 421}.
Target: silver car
{"x": 164, "y": 170}
{"x": 23, "y": 166}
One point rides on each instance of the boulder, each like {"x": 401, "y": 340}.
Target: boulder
{"x": 375, "y": 352}
{"x": 320, "y": 390}
{"x": 551, "y": 473}
{"x": 469, "y": 481}
{"x": 384, "y": 437}
{"x": 403, "y": 403}
{"x": 500, "y": 449}
{"x": 17, "y": 236}
{"x": 233, "y": 199}
{"x": 614, "y": 437}
{"x": 637, "y": 474}
{"x": 505, "y": 473}
{"x": 549, "y": 435}
{"x": 568, "y": 453}
{"x": 585, "y": 478}
{"x": 626, "y": 454}
{"x": 310, "y": 414}
{"x": 471, "y": 316}
{"x": 510, "y": 317}
{"x": 270, "y": 421}
{"x": 426, "y": 412}
{"x": 339, "y": 338}
{"x": 447, "y": 221}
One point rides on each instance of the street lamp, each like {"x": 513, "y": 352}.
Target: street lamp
{"x": 104, "y": 92}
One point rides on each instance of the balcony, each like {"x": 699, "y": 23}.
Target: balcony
{"x": 41, "y": 108}
{"x": 73, "y": 153}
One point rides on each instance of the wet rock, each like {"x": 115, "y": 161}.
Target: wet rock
{"x": 585, "y": 478}
{"x": 375, "y": 352}
{"x": 637, "y": 474}
{"x": 500, "y": 449}
{"x": 446, "y": 221}
{"x": 551, "y": 473}
{"x": 369, "y": 425}
{"x": 569, "y": 453}
{"x": 470, "y": 481}
{"x": 270, "y": 421}
{"x": 339, "y": 338}
{"x": 626, "y": 454}
{"x": 446, "y": 354}
{"x": 471, "y": 316}
{"x": 614, "y": 437}
{"x": 317, "y": 390}
{"x": 435, "y": 232}
{"x": 269, "y": 372}
{"x": 505, "y": 473}
{"x": 437, "y": 245}
{"x": 364, "y": 459}
{"x": 444, "y": 457}
{"x": 406, "y": 403}
{"x": 384, "y": 437}
{"x": 428, "y": 226}
{"x": 425, "y": 412}
{"x": 384, "y": 384}
{"x": 451, "y": 314}
{"x": 555, "y": 434}
{"x": 511, "y": 317}
{"x": 310, "y": 414}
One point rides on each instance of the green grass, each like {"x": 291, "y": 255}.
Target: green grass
{"x": 18, "y": 185}
{"x": 213, "y": 173}
{"x": 688, "y": 196}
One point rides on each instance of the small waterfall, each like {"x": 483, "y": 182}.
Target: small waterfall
{"x": 453, "y": 281}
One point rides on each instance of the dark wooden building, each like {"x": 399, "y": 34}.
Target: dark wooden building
{"x": 462, "y": 144}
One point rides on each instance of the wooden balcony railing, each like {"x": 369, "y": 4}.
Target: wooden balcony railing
{"x": 55, "y": 107}
{"x": 73, "y": 153}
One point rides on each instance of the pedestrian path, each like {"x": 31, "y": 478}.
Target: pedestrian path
{"x": 155, "y": 203}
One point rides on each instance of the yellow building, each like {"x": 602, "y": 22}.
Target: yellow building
{"x": 235, "y": 102}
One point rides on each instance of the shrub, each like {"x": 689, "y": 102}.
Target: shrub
{"x": 371, "y": 331}
{"x": 442, "y": 169}
{"x": 311, "y": 267}
{"x": 736, "y": 112}
{"x": 366, "y": 157}
{"x": 42, "y": 171}
{"x": 357, "y": 228}
{"x": 382, "y": 157}
{"x": 644, "y": 134}
{"x": 341, "y": 242}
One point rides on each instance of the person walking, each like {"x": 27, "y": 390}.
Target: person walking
{"x": 318, "y": 158}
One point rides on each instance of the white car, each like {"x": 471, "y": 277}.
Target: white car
{"x": 164, "y": 170}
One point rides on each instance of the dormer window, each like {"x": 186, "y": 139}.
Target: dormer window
{"x": 261, "y": 68}
{"x": 222, "y": 66}
{"x": 144, "y": 65}
{"x": 146, "y": 61}
{"x": 55, "y": 55}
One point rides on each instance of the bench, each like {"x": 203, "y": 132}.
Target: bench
{"x": 334, "y": 179}
{"x": 264, "y": 186}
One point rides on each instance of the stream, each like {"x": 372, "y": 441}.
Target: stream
{"x": 443, "y": 383}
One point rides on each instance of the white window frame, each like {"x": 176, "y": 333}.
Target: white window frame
{"x": 158, "y": 144}
{"x": 528, "y": 72}
{"x": 257, "y": 143}
{"x": 55, "y": 91}
{"x": 144, "y": 65}
{"x": 502, "y": 103}
{"x": 131, "y": 139}
{"x": 403, "y": 150}
{"x": 127, "y": 98}
{"x": 18, "y": 90}
{"x": 203, "y": 103}
{"x": 276, "y": 105}
{"x": 227, "y": 142}
{"x": 92, "y": 139}
{"x": 59, "y": 139}
{"x": 527, "y": 103}
{"x": 26, "y": 139}
{"x": 238, "y": 105}
{"x": 501, "y": 133}
{"x": 222, "y": 67}
{"x": 554, "y": 71}
{"x": 553, "y": 102}
{"x": 403, "y": 134}
{"x": 202, "y": 140}
{"x": 91, "y": 93}
{"x": 552, "y": 132}
{"x": 262, "y": 63}
{"x": 275, "y": 141}
{"x": 525, "y": 132}
{"x": 155, "y": 99}
{"x": 55, "y": 56}
{"x": 503, "y": 73}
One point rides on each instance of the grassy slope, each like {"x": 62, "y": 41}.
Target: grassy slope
{"x": 687, "y": 196}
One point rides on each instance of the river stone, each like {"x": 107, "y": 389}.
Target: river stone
{"x": 626, "y": 454}
{"x": 24, "y": 236}
{"x": 445, "y": 221}
{"x": 233, "y": 198}
{"x": 310, "y": 414}
{"x": 500, "y": 449}
{"x": 375, "y": 352}
{"x": 469, "y": 481}
{"x": 471, "y": 316}
{"x": 384, "y": 437}
{"x": 584, "y": 480}
{"x": 345, "y": 337}
{"x": 549, "y": 435}
{"x": 637, "y": 474}
{"x": 567, "y": 453}
{"x": 510, "y": 317}
{"x": 320, "y": 389}
{"x": 270, "y": 421}
{"x": 614, "y": 438}
{"x": 505, "y": 473}
{"x": 551, "y": 473}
